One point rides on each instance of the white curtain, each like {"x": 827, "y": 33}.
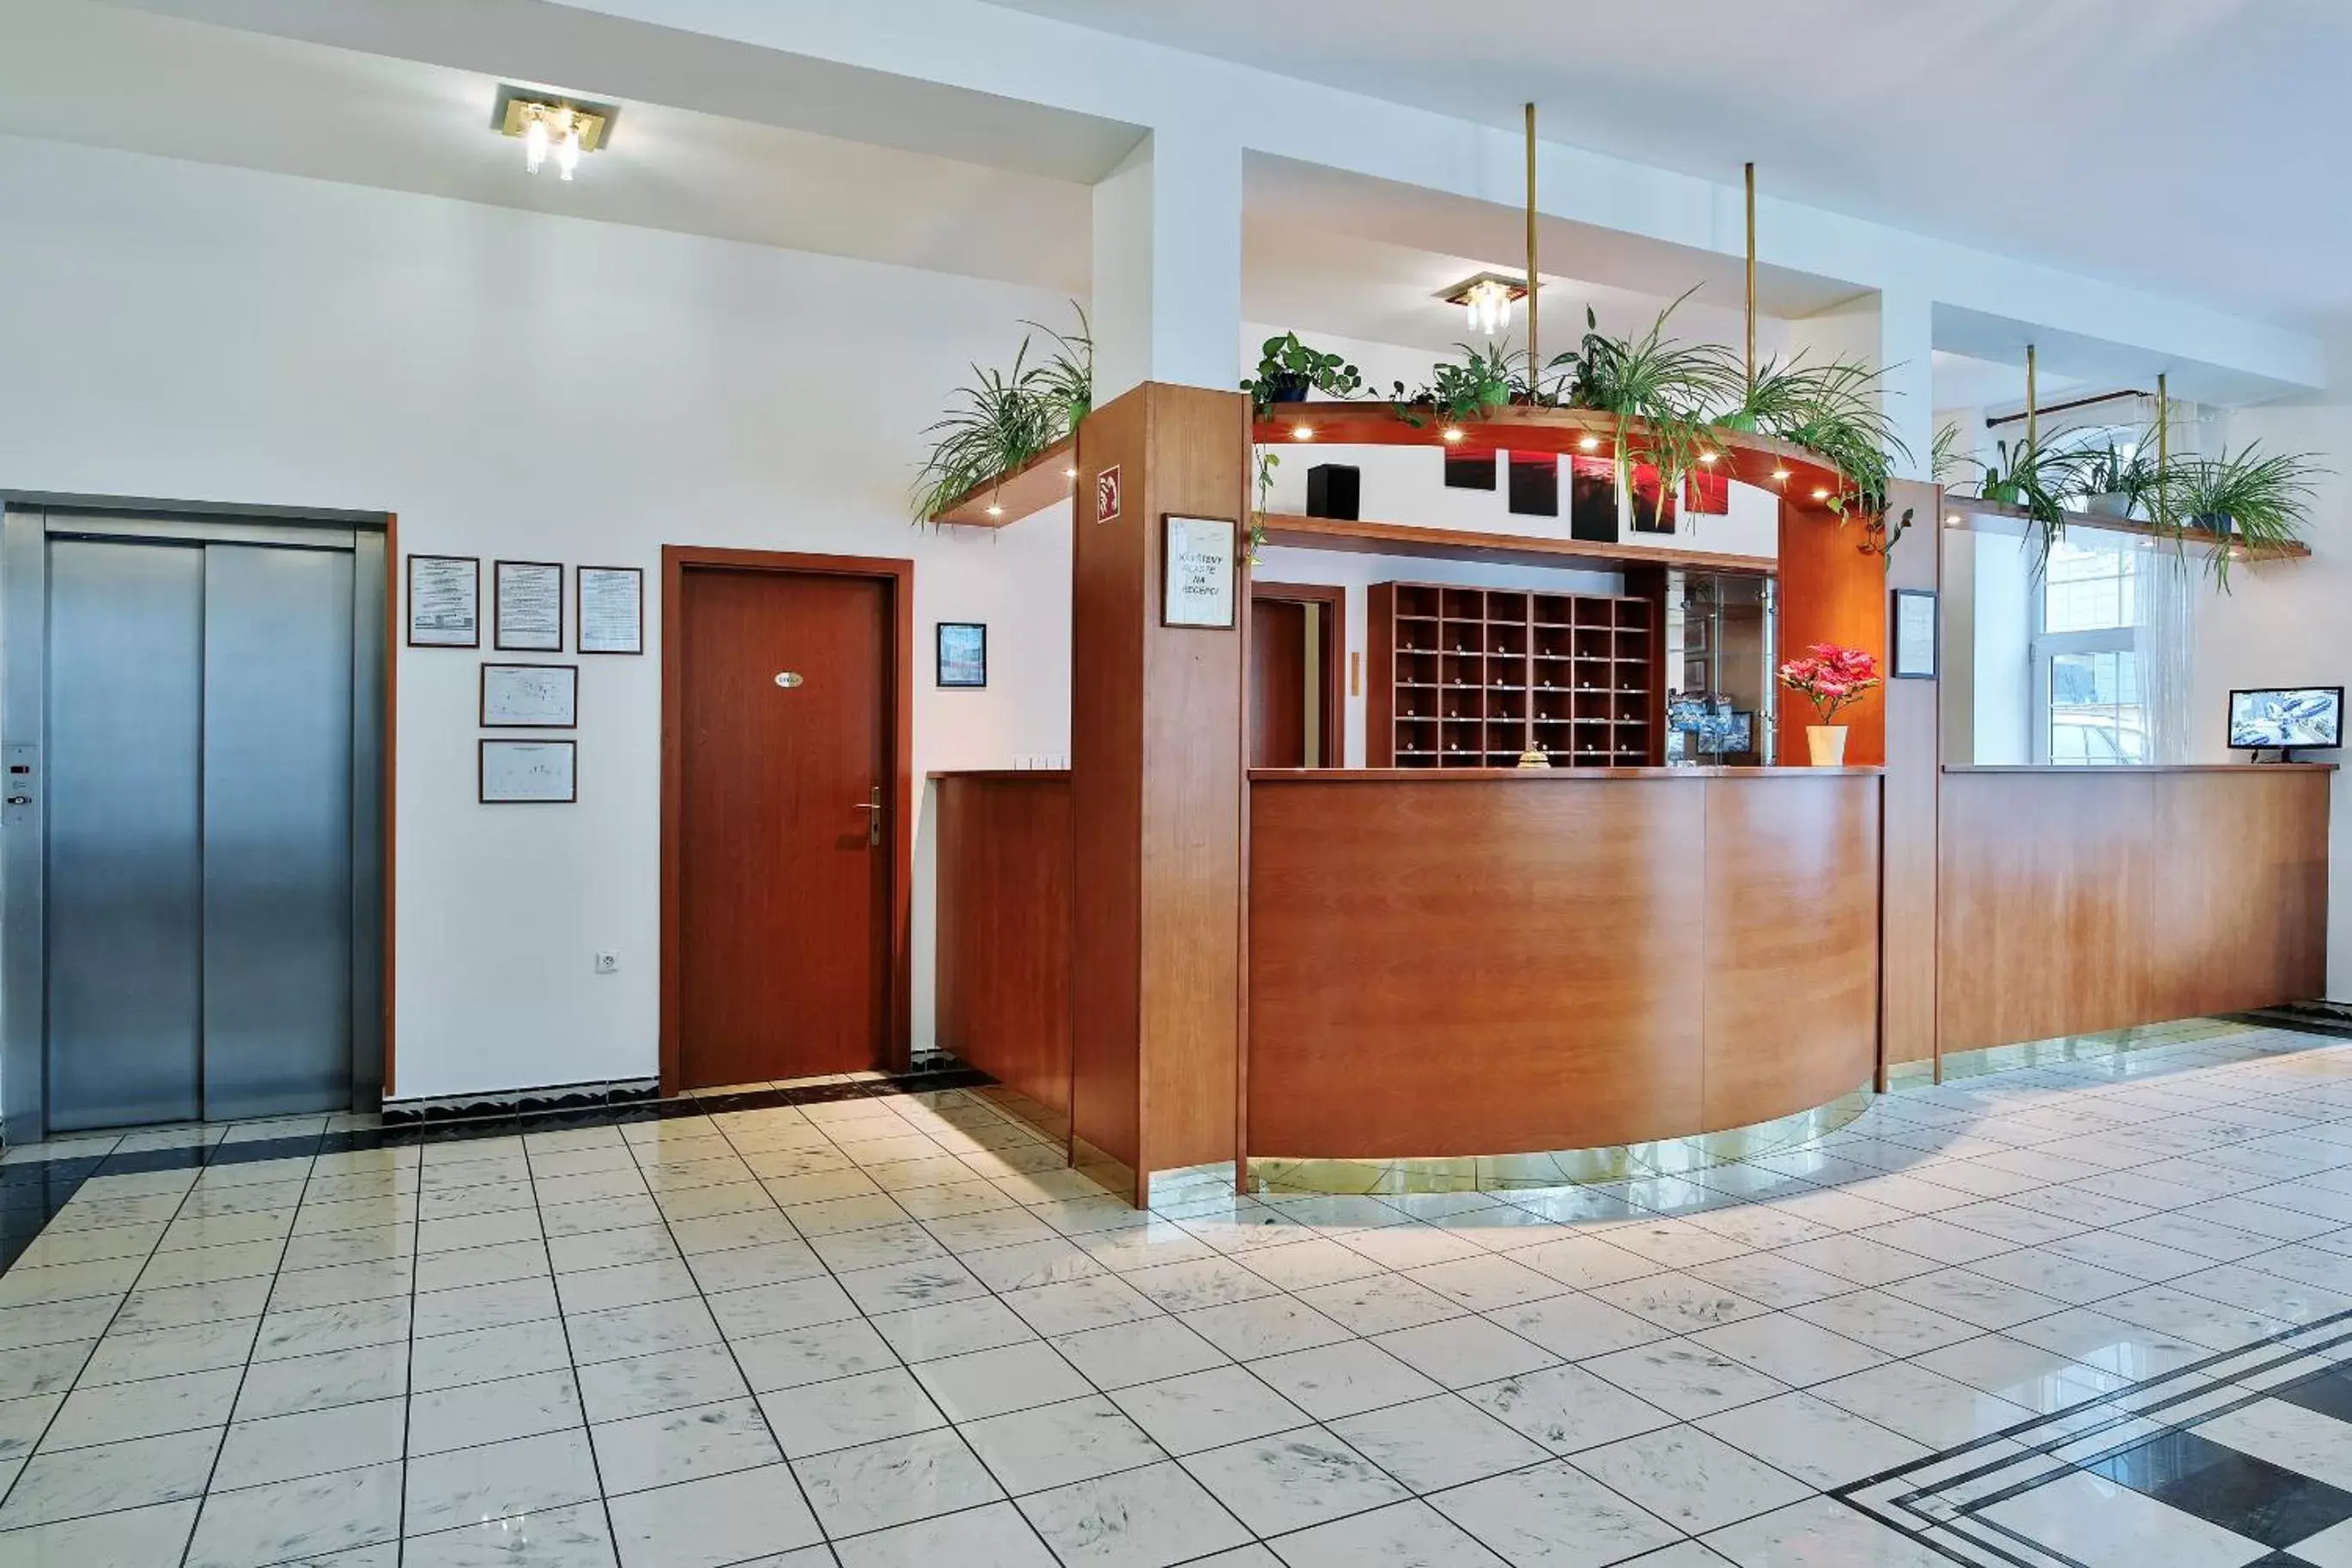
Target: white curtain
{"x": 2164, "y": 637}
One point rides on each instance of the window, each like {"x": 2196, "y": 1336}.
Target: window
{"x": 2087, "y": 691}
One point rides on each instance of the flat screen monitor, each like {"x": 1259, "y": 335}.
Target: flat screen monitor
{"x": 2286, "y": 717}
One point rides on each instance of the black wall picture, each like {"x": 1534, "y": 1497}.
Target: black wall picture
{"x": 1593, "y": 499}
{"x": 1653, "y": 504}
{"x": 1470, "y": 468}
{"x": 1535, "y": 484}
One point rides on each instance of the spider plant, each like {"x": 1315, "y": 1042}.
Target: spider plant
{"x": 1003, "y": 419}
{"x": 1482, "y": 381}
{"x": 2036, "y": 477}
{"x": 1668, "y": 385}
{"x": 2116, "y": 482}
{"x": 1067, "y": 377}
{"x": 1944, "y": 458}
{"x": 1842, "y": 421}
{"x": 2240, "y": 498}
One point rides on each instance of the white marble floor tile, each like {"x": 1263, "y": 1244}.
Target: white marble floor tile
{"x": 1820, "y": 1533}
{"x": 479, "y": 1413}
{"x": 113, "y": 1413}
{"x": 288, "y": 1447}
{"x": 1054, "y": 1445}
{"x": 1974, "y": 1298}
{"x": 1887, "y": 1324}
{"x": 1145, "y": 1351}
{"x": 1690, "y": 1478}
{"x": 895, "y": 1481}
{"x": 1554, "y": 1516}
{"x": 299, "y": 1521}
{"x": 829, "y": 1351}
{"x": 123, "y": 1357}
{"x": 1342, "y": 1379}
{"x": 480, "y": 1266}
{"x": 136, "y": 1538}
{"x": 737, "y": 1518}
{"x": 956, "y": 1328}
{"x": 498, "y": 1480}
{"x": 1923, "y": 1406}
{"x": 2100, "y": 1524}
{"x": 1678, "y": 1303}
{"x": 1459, "y": 1354}
{"x": 994, "y": 1536}
{"x": 981, "y": 1383}
{"x": 1789, "y": 1348}
{"x": 688, "y": 1444}
{"x": 1684, "y": 1379}
{"x": 848, "y": 1412}
{"x": 1208, "y": 1409}
{"x": 1380, "y": 1302}
{"x": 1293, "y": 1480}
{"x": 1438, "y": 1442}
{"x": 626, "y": 1332}
{"x": 1149, "y": 1518}
{"x": 1269, "y": 1326}
{"x": 570, "y": 1535}
{"x": 772, "y": 1262}
{"x": 1813, "y": 1440}
{"x": 142, "y": 1471}
{"x": 2110, "y": 1344}
{"x": 1407, "y": 1534}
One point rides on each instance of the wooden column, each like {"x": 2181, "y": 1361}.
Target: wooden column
{"x": 1909, "y": 818}
{"x": 1831, "y": 592}
{"x": 1156, "y": 796}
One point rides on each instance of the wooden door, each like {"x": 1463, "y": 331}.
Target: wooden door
{"x": 1277, "y": 683}
{"x": 784, "y": 795}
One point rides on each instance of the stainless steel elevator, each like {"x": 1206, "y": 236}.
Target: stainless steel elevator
{"x": 191, "y": 716}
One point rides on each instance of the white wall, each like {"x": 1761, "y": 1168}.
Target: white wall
{"x": 512, "y": 384}
{"x": 2284, "y": 623}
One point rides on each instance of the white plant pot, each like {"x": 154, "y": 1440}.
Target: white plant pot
{"x": 2108, "y": 503}
{"x": 1827, "y": 744}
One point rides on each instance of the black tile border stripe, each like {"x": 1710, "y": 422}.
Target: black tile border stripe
{"x": 2073, "y": 1432}
{"x": 33, "y": 1192}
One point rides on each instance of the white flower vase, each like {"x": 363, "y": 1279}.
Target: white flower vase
{"x": 1827, "y": 744}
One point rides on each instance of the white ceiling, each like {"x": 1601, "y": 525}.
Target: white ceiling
{"x": 76, "y": 71}
{"x": 2194, "y": 147}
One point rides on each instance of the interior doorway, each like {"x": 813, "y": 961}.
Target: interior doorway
{"x": 193, "y": 827}
{"x": 786, "y": 699}
{"x": 1297, "y": 698}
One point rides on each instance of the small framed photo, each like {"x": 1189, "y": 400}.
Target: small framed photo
{"x": 528, "y": 773}
{"x": 528, "y": 602}
{"x": 962, "y": 655}
{"x": 531, "y": 697}
{"x": 611, "y": 608}
{"x": 445, "y": 601}
{"x": 1197, "y": 571}
{"x": 1916, "y": 630}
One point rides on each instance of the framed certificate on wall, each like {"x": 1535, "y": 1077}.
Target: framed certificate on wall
{"x": 612, "y": 609}
{"x": 528, "y": 601}
{"x": 445, "y": 601}
{"x": 1916, "y": 629}
{"x": 1197, "y": 572}
{"x": 530, "y": 695}
{"x": 528, "y": 773}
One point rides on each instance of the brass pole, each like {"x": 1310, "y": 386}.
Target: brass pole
{"x": 1751, "y": 277}
{"x": 2163, "y": 444}
{"x": 2032, "y": 416}
{"x": 1535, "y": 363}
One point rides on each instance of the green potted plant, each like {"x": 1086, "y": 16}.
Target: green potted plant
{"x": 2035, "y": 478}
{"x": 2114, "y": 482}
{"x": 2240, "y": 498}
{"x": 1288, "y": 370}
{"x": 1482, "y": 381}
{"x": 1000, "y": 420}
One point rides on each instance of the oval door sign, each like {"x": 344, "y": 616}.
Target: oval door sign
{"x": 788, "y": 679}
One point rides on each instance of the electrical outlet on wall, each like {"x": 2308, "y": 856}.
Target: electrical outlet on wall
{"x": 608, "y": 963}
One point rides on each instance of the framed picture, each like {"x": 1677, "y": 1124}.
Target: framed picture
{"x": 611, "y": 608}
{"x": 1917, "y": 631}
{"x": 1196, "y": 571}
{"x": 963, "y": 653}
{"x": 528, "y": 773}
{"x": 445, "y": 601}
{"x": 528, "y": 606}
{"x": 530, "y": 695}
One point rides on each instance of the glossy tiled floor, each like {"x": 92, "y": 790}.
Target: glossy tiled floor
{"x": 894, "y": 1331}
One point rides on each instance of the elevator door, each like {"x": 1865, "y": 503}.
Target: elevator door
{"x": 199, "y": 858}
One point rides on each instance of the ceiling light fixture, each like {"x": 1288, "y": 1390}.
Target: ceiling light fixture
{"x": 1820, "y": 494}
{"x": 1706, "y": 457}
{"x": 1486, "y": 301}
{"x": 1069, "y": 473}
{"x": 1587, "y": 444}
{"x": 1302, "y": 432}
{"x": 1780, "y": 476}
{"x": 1451, "y": 432}
{"x": 561, "y": 127}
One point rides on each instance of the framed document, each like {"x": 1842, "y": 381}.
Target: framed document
{"x": 530, "y": 695}
{"x": 445, "y": 601}
{"x": 611, "y": 612}
{"x": 963, "y": 653}
{"x": 1196, "y": 571}
{"x": 528, "y": 603}
{"x": 528, "y": 773}
{"x": 1917, "y": 628}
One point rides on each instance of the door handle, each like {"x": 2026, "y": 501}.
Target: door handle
{"x": 873, "y": 822}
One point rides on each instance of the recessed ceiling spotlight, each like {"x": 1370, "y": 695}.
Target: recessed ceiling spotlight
{"x": 1069, "y": 473}
{"x": 1451, "y": 432}
{"x": 995, "y": 511}
{"x": 1302, "y": 432}
{"x": 1487, "y": 299}
{"x": 1780, "y": 476}
{"x": 564, "y": 128}
{"x": 1706, "y": 457}
{"x": 1821, "y": 495}
{"x": 1587, "y": 444}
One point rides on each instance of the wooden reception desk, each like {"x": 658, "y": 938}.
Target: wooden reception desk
{"x": 2080, "y": 900}
{"x": 1487, "y": 962}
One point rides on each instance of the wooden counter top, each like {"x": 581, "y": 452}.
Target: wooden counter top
{"x": 1060, "y": 773}
{"x": 2141, "y": 769}
{"x": 1538, "y": 776}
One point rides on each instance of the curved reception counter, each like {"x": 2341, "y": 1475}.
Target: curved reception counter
{"x": 1478, "y": 962}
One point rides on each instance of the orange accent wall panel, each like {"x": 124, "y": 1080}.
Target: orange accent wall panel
{"x": 1504, "y": 963}
{"x": 2080, "y": 901}
{"x": 1832, "y": 592}
{"x": 1004, "y": 917}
